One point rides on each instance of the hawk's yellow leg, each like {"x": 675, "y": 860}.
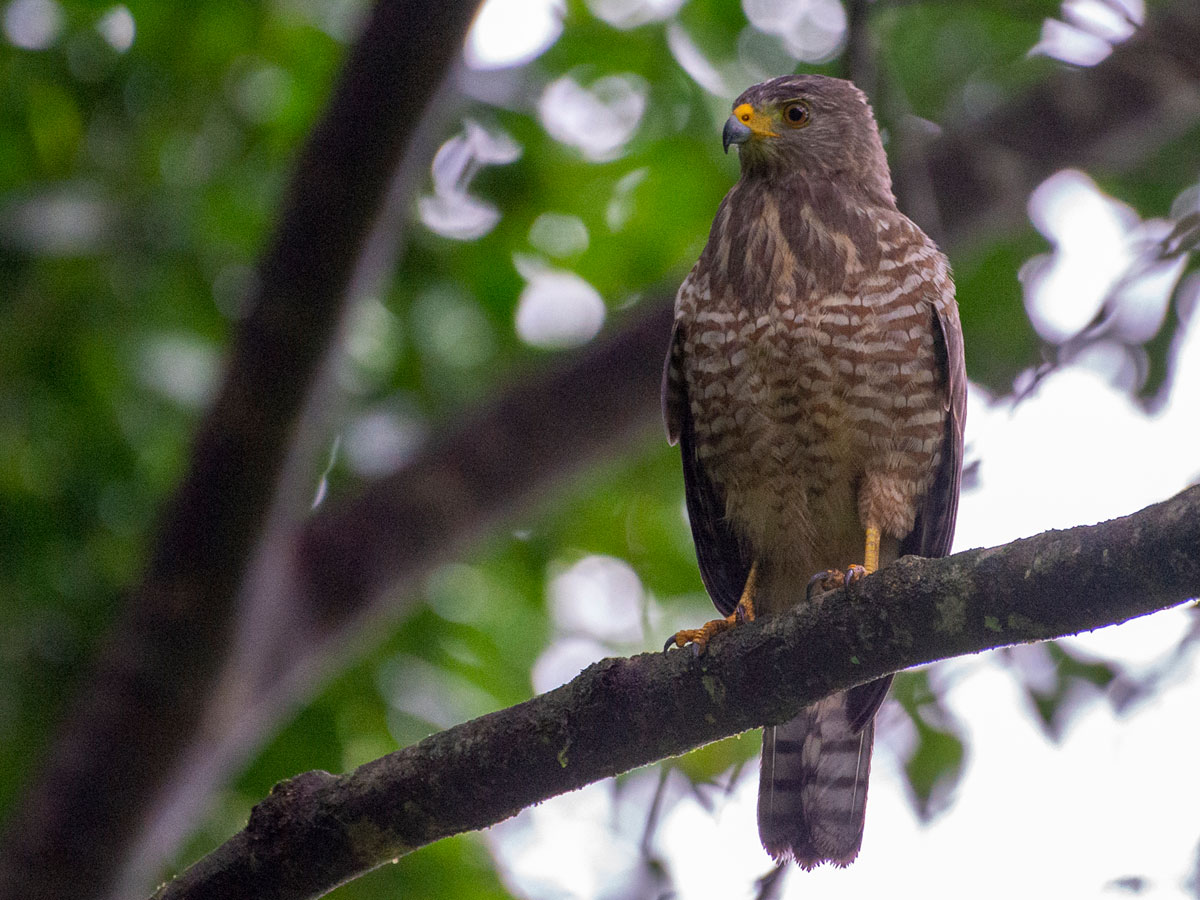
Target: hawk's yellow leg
{"x": 699, "y": 637}
{"x": 835, "y": 578}
{"x": 871, "y": 551}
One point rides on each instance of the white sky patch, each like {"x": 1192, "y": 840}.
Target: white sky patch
{"x": 381, "y": 441}
{"x": 631, "y": 13}
{"x": 1088, "y": 30}
{"x": 1070, "y": 44}
{"x": 1075, "y": 452}
{"x": 33, "y": 24}
{"x": 512, "y": 32}
{"x": 601, "y": 597}
{"x": 1071, "y": 818}
{"x": 690, "y": 835}
{"x": 1063, "y": 291}
{"x": 812, "y": 30}
{"x": 1113, "y": 20}
{"x": 564, "y": 659}
{"x": 118, "y": 28}
{"x": 693, "y": 61}
{"x": 458, "y": 215}
{"x": 596, "y": 120}
{"x": 451, "y": 210}
{"x": 1099, "y": 248}
{"x": 1078, "y": 450}
{"x": 557, "y": 309}
{"x": 585, "y": 847}
{"x": 559, "y": 234}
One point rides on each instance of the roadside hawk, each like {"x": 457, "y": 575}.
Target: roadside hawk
{"x": 815, "y": 385}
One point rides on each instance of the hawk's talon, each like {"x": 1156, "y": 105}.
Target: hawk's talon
{"x": 829, "y": 580}
{"x": 832, "y": 579}
{"x": 699, "y": 637}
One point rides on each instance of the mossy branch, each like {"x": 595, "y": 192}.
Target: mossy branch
{"x": 318, "y": 830}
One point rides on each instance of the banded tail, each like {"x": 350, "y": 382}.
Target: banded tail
{"x": 812, "y": 791}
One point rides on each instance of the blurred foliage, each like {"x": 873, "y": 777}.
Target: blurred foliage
{"x": 935, "y": 763}
{"x": 137, "y": 187}
{"x": 1057, "y": 682}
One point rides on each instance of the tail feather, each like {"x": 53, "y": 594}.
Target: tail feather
{"x": 813, "y": 784}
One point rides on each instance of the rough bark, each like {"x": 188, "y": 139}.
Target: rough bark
{"x": 318, "y": 830}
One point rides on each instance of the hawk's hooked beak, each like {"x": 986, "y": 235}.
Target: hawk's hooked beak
{"x": 746, "y": 123}
{"x": 735, "y": 133}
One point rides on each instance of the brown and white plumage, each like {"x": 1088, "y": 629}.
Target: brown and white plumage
{"x": 815, "y": 384}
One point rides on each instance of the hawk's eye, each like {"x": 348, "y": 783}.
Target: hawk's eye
{"x": 796, "y": 114}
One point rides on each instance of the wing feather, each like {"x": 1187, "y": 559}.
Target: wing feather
{"x": 723, "y": 558}
{"x": 934, "y": 530}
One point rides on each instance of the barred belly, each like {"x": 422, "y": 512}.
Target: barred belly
{"x": 817, "y": 419}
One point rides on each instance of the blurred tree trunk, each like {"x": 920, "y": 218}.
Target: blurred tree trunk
{"x": 146, "y": 695}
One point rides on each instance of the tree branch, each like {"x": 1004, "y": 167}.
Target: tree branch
{"x": 318, "y": 830}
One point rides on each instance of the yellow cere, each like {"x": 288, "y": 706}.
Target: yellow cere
{"x": 756, "y": 121}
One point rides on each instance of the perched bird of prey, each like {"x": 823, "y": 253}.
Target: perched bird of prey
{"x": 815, "y": 385}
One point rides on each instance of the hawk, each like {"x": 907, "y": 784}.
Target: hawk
{"x": 816, "y": 387}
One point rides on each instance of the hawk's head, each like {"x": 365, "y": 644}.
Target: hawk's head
{"x": 808, "y": 123}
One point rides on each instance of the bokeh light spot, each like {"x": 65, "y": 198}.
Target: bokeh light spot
{"x": 556, "y": 234}
{"x": 557, "y": 309}
{"x": 1088, "y": 30}
{"x": 33, "y": 24}
{"x": 450, "y": 210}
{"x": 632, "y": 13}
{"x": 180, "y": 367}
{"x": 812, "y": 30}
{"x": 118, "y": 28}
{"x": 693, "y": 61}
{"x": 599, "y": 596}
{"x": 381, "y": 441}
{"x": 512, "y": 32}
{"x": 596, "y": 120}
